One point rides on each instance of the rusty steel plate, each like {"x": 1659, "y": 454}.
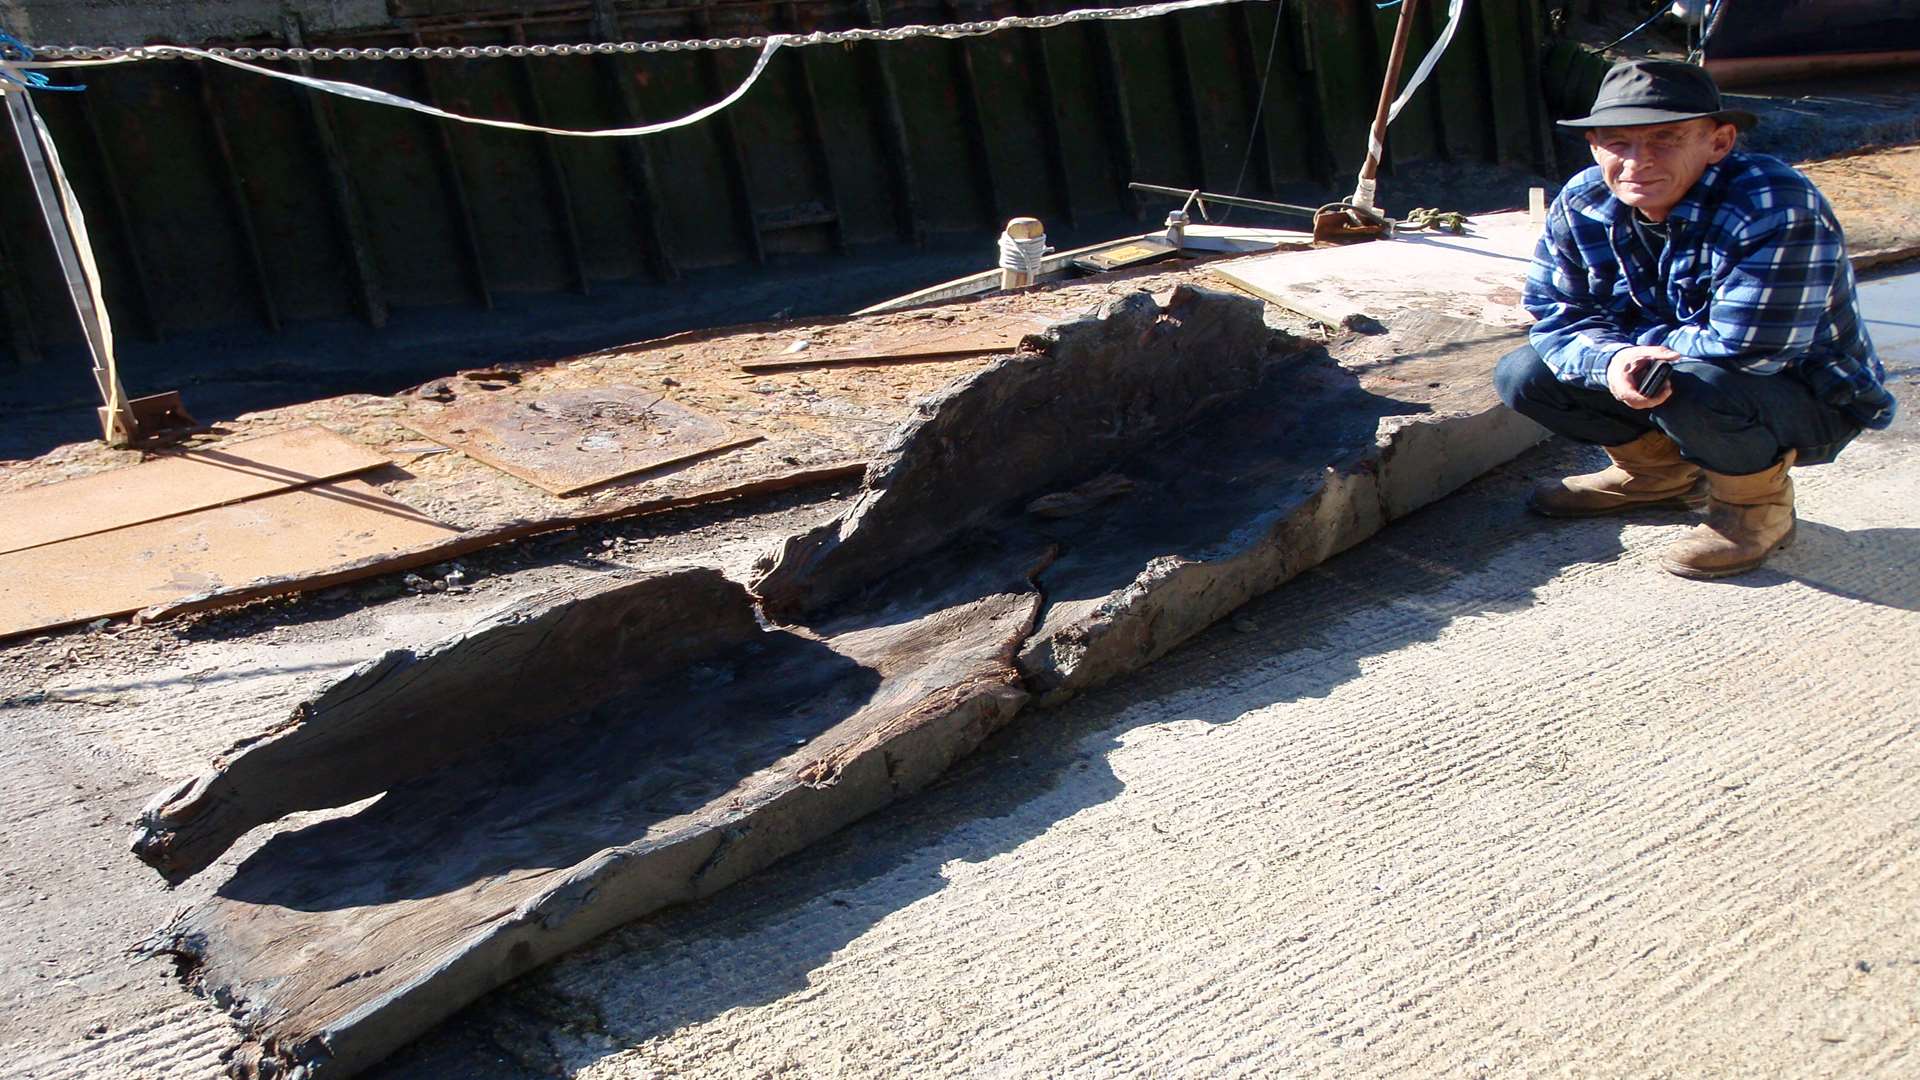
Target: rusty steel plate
{"x": 302, "y": 532}
{"x": 177, "y": 484}
{"x": 984, "y": 338}
{"x": 566, "y": 441}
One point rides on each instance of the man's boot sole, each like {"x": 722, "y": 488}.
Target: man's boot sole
{"x": 1698, "y": 574}
{"x": 1688, "y": 501}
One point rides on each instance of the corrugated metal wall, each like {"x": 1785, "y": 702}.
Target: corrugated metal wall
{"x": 220, "y": 199}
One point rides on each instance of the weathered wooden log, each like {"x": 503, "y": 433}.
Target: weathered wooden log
{"x": 663, "y": 772}
{"x": 1100, "y": 389}
{"x": 1249, "y": 455}
{"x": 409, "y": 714}
{"x": 338, "y": 942}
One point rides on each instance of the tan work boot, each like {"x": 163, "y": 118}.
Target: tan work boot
{"x": 1749, "y": 518}
{"x": 1646, "y": 473}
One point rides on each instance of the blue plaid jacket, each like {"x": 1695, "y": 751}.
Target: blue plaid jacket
{"x": 1755, "y": 277}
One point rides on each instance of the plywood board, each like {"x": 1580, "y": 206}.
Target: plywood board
{"x": 178, "y": 484}
{"x": 1001, "y": 335}
{"x": 566, "y": 441}
{"x": 1476, "y": 276}
{"x": 289, "y": 533}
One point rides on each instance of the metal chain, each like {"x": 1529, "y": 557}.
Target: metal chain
{"x": 472, "y": 52}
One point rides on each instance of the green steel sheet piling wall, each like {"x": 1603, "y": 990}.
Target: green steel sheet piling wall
{"x": 220, "y": 200}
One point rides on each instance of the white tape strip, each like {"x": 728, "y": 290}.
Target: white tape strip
{"x": 1375, "y": 150}
{"x": 1454, "y": 13}
{"x": 381, "y": 97}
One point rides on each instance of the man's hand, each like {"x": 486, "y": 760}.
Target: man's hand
{"x": 1629, "y": 365}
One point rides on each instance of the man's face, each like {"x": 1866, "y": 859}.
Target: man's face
{"x": 1651, "y": 167}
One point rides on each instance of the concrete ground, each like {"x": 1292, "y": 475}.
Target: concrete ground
{"x": 1488, "y": 796}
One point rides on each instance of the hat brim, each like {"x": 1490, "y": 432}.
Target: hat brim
{"x": 1630, "y": 116}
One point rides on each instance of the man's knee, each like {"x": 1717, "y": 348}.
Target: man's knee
{"x": 1519, "y": 375}
{"x": 1712, "y": 388}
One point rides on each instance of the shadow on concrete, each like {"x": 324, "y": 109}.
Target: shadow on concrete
{"x": 1474, "y": 553}
{"x": 1874, "y": 566}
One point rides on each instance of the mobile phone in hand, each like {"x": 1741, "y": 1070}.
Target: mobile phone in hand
{"x": 1652, "y": 379}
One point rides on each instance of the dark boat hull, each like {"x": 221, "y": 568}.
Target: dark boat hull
{"x": 1751, "y": 29}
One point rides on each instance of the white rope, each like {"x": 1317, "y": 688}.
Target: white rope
{"x": 1023, "y": 256}
{"x": 380, "y": 97}
{"x": 1375, "y": 150}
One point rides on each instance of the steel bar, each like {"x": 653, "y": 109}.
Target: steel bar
{"x": 1119, "y": 113}
{"x": 1253, "y": 57}
{"x": 122, "y": 219}
{"x": 975, "y": 115}
{"x": 731, "y": 149}
{"x": 1512, "y": 135}
{"x": 815, "y": 128}
{"x": 346, "y": 201}
{"x": 634, "y": 154}
{"x": 1539, "y": 124}
{"x": 1205, "y": 197}
{"x": 1436, "y": 23}
{"x": 236, "y": 189}
{"x": 1187, "y": 98}
{"x": 1041, "y": 56}
{"x": 561, "y": 199}
{"x": 893, "y": 127}
{"x": 1318, "y": 100}
{"x": 20, "y": 115}
{"x": 456, "y": 188}
{"x": 1388, "y": 85}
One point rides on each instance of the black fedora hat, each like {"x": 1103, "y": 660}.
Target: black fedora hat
{"x": 1637, "y": 92}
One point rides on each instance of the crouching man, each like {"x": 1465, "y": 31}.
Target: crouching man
{"x": 1727, "y": 269}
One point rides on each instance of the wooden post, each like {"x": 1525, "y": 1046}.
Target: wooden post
{"x": 1021, "y": 228}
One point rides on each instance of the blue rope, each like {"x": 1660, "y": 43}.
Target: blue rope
{"x": 12, "y": 48}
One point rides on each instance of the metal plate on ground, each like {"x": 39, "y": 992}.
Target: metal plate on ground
{"x": 1477, "y": 276}
{"x": 914, "y": 344}
{"x": 304, "y": 532}
{"x": 1133, "y": 253}
{"x": 177, "y": 484}
{"x": 566, "y": 441}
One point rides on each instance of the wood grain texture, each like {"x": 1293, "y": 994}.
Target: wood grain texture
{"x": 503, "y": 843}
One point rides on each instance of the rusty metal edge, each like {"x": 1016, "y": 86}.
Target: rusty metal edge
{"x": 427, "y": 556}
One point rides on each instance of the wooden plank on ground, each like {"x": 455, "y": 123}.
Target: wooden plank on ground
{"x": 301, "y": 531}
{"x": 1476, "y": 276}
{"x": 567, "y": 441}
{"x": 197, "y": 479}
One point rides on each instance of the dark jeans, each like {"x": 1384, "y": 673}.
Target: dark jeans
{"x": 1725, "y": 421}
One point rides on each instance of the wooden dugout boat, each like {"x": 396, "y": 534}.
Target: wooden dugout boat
{"x": 685, "y": 732}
